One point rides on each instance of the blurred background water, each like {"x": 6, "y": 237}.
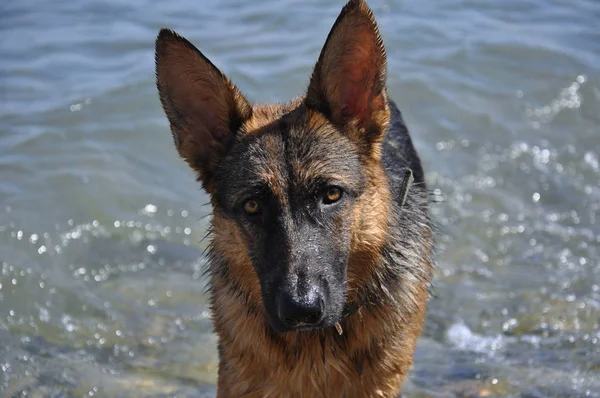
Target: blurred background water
{"x": 101, "y": 225}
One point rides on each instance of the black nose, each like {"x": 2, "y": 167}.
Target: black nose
{"x": 307, "y": 310}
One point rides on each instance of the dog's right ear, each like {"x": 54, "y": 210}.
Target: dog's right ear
{"x": 204, "y": 108}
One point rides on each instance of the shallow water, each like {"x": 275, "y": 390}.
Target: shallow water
{"x": 101, "y": 225}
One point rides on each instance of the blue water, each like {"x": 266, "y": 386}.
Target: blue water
{"x": 101, "y": 224}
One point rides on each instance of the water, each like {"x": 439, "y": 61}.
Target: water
{"x": 101, "y": 224}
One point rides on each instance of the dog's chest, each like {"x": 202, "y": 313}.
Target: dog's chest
{"x": 325, "y": 375}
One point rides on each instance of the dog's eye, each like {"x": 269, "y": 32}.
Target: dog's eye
{"x": 332, "y": 195}
{"x": 251, "y": 207}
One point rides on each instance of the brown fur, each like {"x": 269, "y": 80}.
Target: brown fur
{"x": 370, "y": 359}
{"x": 347, "y": 94}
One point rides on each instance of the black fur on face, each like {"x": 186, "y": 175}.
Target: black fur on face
{"x": 291, "y": 187}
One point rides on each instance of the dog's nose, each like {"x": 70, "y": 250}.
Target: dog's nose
{"x": 307, "y": 310}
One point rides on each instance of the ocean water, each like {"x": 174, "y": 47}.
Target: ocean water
{"x": 101, "y": 224}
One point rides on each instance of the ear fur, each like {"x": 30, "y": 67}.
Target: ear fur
{"x": 348, "y": 82}
{"x": 204, "y": 108}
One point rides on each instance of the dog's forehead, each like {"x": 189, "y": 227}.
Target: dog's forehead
{"x": 290, "y": 147}
{"x": 300, "y": 150}
{"x": 265, "y": 115}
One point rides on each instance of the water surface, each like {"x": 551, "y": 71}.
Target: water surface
{"x": 101, "y": 225}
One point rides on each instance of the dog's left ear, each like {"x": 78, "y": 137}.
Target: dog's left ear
{"x": 348, "y": 83}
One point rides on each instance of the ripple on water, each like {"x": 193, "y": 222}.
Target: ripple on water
{"x": 102, "y": 226}
{"x": 127, "y": 292}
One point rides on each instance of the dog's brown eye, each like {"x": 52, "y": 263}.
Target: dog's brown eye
{"x": 251, "y": 206}
{"x": 332, "y": 195}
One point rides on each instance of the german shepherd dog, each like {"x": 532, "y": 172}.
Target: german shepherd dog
{"x": 321, "y": 253}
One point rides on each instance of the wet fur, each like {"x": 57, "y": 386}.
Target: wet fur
{"x": 388, "y": 246}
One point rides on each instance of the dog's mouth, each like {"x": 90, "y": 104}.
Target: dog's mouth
{"x": 288, "y": 313}
{"x": 305, "y": 327}
{"x": 308, "y": 328}
{"x": 284, "y": 326}
{"x": 299, "y": 305}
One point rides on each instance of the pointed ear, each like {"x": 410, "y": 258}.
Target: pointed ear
{"x": 204, "y": 108}
{"x": 348, "y": 83}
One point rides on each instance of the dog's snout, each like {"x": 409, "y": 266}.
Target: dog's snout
{"x": 301, "y": 311}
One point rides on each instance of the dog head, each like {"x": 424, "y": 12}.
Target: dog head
{"x": 291, "y": 185}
